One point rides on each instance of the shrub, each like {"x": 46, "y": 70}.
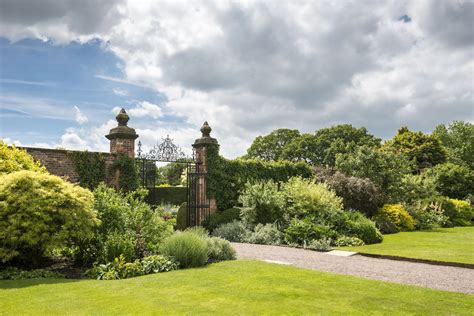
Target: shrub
{"x": 220, "y": 249}
{"x": 428, "y": 214}
{"x": 262, "y": 203}
{"x": 218, "y": 218}
{"x": 396, "y": 214}
{"x": 464, "y": 213}
{"x": 158, "y": 263}
{"x": 129, "y": 227}
{"x": 357, "y": 225}
{"x": 301, "y": 232}
{"x": 359, "y": 194}
{"x": 13, "y": 159}
{"x": 189, "y": 249}
{"x": 348, "y": 241}
{"x": 323, "y": 244}
{"x": 198, "y": 230}
{"x": 305, "y": 198}
{"x": 182, "y": 217}
{"x": 40, "y": 212}
{"x": 415, "y": 187}
{"x": 233, "y": 231}
{"x": 452, "y": 180}
{"x": 266, "y": 235}
{"x": 168, "y": 194}
{"x": 13, "y": 273}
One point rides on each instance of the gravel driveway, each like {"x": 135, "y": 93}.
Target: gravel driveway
{"x": 421, "y": 274}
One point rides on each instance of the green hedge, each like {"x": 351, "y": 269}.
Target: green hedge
{"x": 226, "y": 178}
{"x": 165, "y": 195}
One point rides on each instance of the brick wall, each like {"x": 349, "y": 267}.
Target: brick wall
{"x": 59, "y": 161}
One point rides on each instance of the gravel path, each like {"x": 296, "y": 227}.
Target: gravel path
{"x": 421, "y": 274}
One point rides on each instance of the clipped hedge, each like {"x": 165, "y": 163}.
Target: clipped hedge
{"x": 218, "y": 218}
{"x": 226, "y": 178}
{"x": 167, "y": 195}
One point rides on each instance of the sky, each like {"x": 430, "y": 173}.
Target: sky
{"x": 248, "y": 67}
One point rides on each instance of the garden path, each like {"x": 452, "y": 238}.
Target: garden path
{"x": 448, "y": 278}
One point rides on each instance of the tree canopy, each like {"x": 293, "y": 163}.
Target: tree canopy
{"x": 458, "y": 139}
{"x": 270, "y": 147}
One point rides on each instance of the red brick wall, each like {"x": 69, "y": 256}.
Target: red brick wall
{"x": 59, "y": 161}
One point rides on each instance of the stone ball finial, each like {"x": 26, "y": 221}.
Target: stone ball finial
{"x": 206, "y": 130}
{"x": 122, "y": 118}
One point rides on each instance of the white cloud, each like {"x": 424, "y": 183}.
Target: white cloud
{"x": 71, "y": 140}
{"x": 250, "y": 67}
{"x": 146, "y": 109}
{"x": 79, "y": 116}
{"x": 121, "y": 92}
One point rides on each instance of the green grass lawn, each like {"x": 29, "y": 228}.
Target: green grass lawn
{"x": 228, "y": 288}
{"x": 444, "y": 244}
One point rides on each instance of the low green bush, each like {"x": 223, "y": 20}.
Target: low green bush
{"x": 168, "y": 194}
{"x": 397, "y": 215}
{"x": 158, "y": 263}
{"x": 427, "y": 213}
{"x": 218, "y": 218}
{"x": 116, "y": 244}
{"x": 234, "y": 231}
{"x": 189, "y": 249}
{"x": 13, "y": 159}
{"x": 464, "y": 212}
{"x": 348, "y": 241}
{"x": 219, "y": 249}
{"x": 13, "y": 273}
{"x": 323, "y": 244}
{"x": 357, "y": 225}
{"x": 40, "y": 212}
{"x": 301, "y": 232}
{"x": 265, "y": 235}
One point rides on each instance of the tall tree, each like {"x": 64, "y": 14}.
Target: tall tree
{"x": 458, "y": 139}
{"x": 270, "y": 147}
{"x": 424, "y": 150}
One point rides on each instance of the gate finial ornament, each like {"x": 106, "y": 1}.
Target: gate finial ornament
{"x": 206, "y": 130}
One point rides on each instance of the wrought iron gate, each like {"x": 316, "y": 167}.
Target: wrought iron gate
{"x": 167, "y": 151}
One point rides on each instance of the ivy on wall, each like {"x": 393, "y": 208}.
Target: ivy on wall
{"x": 128, "y": 179}
{"x": 226, "y": 178}
{"x": 90, "y": 167}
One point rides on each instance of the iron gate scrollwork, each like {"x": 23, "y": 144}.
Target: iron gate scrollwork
{"x": 167, "y": 151}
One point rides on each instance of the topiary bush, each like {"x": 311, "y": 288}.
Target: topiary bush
{"x": 218, "y": 218}
{"x": 219, "y": 249}
{"x": 397, "y": 215}
{"x": 39, "y": 212}
{"x": 234, "y": 231}
{"x": 189, "y": 249}
{"x": 182, "y": 217}
{"x": 265, "y": 235}
{"x": 13, "y": 159}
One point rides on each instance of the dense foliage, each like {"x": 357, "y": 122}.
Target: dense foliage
{"x": 13, "y": 159}
{"x": 452, "y": 180}
{"x": 90, "y": 167}
{"x": 458, "y": 139}
{"x": 127, "y": 172}
{"x": 188, "y": 248}
{"x": 130, "y": 227}
{"x": 271, "y": 146}
{"x": 39, "y": 212}
{"x": 218, "y": 218}
{"x": 392, "y": 218}
{"x": 425, "y": 150}
{"x": 226, "y": 178}
{"x": 13, "y": 273}
{"x": 170, "y": 173}
{"x": 262, "y": 203}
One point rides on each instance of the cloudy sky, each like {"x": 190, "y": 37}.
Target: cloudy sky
{"x": 246, "y": 67}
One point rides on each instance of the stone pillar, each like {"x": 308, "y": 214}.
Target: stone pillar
{"x": 200, "y": 150}
{"x": 122, "y": 138}
{"x": 122, "y": 141}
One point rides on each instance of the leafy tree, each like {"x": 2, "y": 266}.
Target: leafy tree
{"x": 14, "y": 159}
{"x": 39, "y": 212}
{"x": 458, "y": 139}
{"x": 452, "y": 180}
{"x": 384, "y": 168}
{"x": 322, "y": 147}
{"x": 425, "y": 150}
{"x": 170, "y": 174}
{"x": 270, "y": 147}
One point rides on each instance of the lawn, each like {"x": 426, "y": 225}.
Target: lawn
{"x": 443, "y": 244}
{"x": 228, "y": 288}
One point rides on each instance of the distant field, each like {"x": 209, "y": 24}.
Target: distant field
{"x": 444, "y": 244}
{"x": 229, "y": 288}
